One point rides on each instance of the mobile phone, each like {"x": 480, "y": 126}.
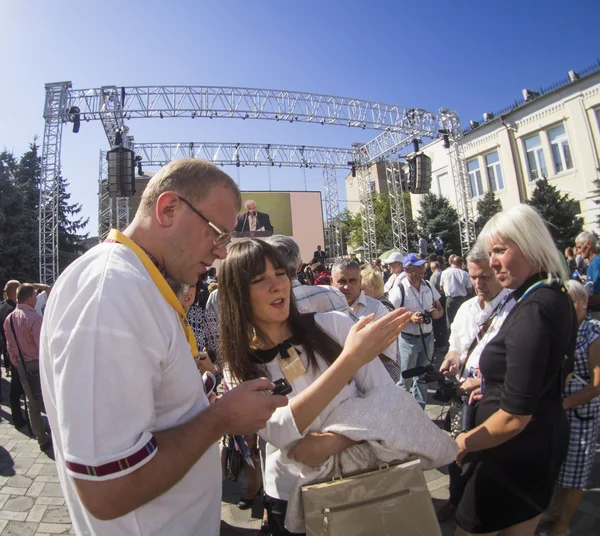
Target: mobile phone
{"x": 282, "y": 387}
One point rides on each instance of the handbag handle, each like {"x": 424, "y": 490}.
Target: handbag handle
{"x": 337, "y": 466}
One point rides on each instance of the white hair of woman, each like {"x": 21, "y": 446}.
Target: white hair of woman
{"x": 524, "y": 226}
{"x": 577, "y": 291}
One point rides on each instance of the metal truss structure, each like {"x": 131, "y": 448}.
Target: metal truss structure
{"x": 393, "y": 174}
{"x": 114, "y": 105}
{"x": 466, "y": 222}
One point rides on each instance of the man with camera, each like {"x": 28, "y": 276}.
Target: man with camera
{"x": 476, "y": 322}
{"x": 416, "y": 340}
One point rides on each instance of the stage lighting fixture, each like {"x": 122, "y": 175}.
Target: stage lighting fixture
{"x": 415, "y": 143}
{"x": 76, "y": 118}
{"x": 445, "y": 137}
{"x": 138, "y": 163}
{"x": 160, "y": 114}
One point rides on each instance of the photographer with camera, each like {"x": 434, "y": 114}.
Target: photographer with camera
{"x": 416, "y": 340}
{"x": 476, "y": 322}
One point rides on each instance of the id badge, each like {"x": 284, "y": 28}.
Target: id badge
{"x": 292, "y": 365}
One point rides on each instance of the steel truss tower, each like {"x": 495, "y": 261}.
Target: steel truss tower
{"x": 114, "y": 105}
{"x": 393, "y": 174}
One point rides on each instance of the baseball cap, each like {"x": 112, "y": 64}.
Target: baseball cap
{"x": 412, "y": 260}
{"x": 394, "y": 257}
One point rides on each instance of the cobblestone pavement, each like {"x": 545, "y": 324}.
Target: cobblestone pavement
{"x": 31, "y": 502}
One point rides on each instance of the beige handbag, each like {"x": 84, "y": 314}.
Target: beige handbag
{"x": 390, "y": 500}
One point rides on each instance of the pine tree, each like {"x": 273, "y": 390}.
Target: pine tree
{"x": 19, "y": 256}
{"x": 70, "y": 242}
{"x": 438, "y": 217}
{"x": 559, "y": 210}
{"x": 487, "y": 206}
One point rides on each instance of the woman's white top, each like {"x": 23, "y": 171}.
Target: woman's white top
{"x": 281, "y": 432}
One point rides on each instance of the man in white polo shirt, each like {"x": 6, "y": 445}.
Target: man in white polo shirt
{"x": 416, "y": 340}
{"x": 456, "y": 285}
{"x": 134, "y": 435}
{"x": 346, "y": 278}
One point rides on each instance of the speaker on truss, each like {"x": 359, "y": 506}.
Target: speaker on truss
{"x": 419, "y": 174}
{"x": 121, "y": 172}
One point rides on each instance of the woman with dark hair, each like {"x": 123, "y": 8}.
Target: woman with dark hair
{"x": 325, "y": 358}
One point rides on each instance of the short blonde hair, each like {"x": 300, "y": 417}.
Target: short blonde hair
{"x": 525, "y": 227}
{"x": 193, "y": 178}
{"x": 212, "y": 287}
{"x": 372, "y": 279}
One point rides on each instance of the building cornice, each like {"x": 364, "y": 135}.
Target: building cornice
{"x": 540, "y": 114}
{"x": 472, "y": 144}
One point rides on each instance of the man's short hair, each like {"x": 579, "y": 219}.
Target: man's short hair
{"x": 193, "y": 178}
{"x": 478, "y": 254}
{"x": 24, "y": 292}
{"x": 435, "y": 265}
{"x": 248, "y": 201}
{"x": 11, "y": 287}
{"x": 344, "y": 264}
{"x": 587, "y": 237}
{"x": 289, "y": 250}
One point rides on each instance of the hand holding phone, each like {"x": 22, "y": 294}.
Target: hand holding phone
{"x": 282, "y": 387}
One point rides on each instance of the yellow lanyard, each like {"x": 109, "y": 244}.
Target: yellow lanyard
{"x": 161, "y": 283}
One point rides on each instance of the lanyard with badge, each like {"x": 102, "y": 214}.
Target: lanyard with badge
{"x": 161, "y": 283}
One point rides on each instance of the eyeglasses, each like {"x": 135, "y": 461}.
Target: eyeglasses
{"x": 223, "y": 238}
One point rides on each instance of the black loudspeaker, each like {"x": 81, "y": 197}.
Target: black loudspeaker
{"x": 419, "y": 174}
{"x": 121, "y": 172}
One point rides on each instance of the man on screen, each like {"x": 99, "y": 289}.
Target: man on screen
{"x": 252, "y": 220}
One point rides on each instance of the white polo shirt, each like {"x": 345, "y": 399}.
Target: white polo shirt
{"x": 116, "y": 367}
{"x": 416, "y": 301}
{"x": 455, "y": 282}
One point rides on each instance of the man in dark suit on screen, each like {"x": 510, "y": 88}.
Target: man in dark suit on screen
{"x": 252, "y": 220}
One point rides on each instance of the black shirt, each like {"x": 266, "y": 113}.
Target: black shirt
{"x": 522, "y": 365}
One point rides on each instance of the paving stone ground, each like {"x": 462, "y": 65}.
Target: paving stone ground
{"x": 31, "y": 501}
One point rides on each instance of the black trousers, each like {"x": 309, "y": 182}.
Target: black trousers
{"x": 16, "y": 392}
{"x": 276, "y": 509}
{"x": 440, "y": 330}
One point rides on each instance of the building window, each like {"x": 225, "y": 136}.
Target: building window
{"x": 561, "y": 153}
{"x": 535, "y": 158}
{"x": 494, "y": 171}
{"x": 475, "y": 176}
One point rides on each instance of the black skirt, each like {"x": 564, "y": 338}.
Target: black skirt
{"x": 513, "y": 482}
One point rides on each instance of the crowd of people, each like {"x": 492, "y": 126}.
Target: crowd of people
{"x": 129, "y": 346}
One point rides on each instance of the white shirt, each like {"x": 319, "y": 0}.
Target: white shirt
{"x": 393, "y": 281}
{"x": 416, "y": 301}
{"x": 116, "y": 367}
{"x": 364, "y": 306}
{"x": 455, "y": 282}
{"x": 281, "y": 432}
{"x": 40, "y": 303}
{"x": 468, "y": 321}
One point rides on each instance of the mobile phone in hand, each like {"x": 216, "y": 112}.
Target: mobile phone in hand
{"x": 282, "y": 387}
{"x": 209, "y": 380}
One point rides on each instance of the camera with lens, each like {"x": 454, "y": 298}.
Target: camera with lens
{"x": 426, "y": 316}
{"x": 447, "y": 390}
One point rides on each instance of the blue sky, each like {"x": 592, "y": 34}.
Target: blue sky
{"x": 472, "y": 56}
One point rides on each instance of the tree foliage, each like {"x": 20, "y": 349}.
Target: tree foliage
{"x": 559, "y": 210}
{"x": 19, "y": 218}
{"x": 438, "y": 217}
{"x": 487, "y": 206}
{"x": 352, "y": 226}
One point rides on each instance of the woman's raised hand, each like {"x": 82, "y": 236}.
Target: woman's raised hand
{"x": 367, "y": 339}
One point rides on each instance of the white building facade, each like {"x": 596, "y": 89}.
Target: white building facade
{"x": 555, "y": 135}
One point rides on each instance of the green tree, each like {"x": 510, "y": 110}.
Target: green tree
{"x": 438, "y": 217}
{"x": 559, "y": 210}
{"x": 70, "y": 240}
{"x": 352, "y": 226}
{"x": 487, "y": 206}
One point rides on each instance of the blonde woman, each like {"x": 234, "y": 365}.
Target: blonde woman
{"x": 372, "y": 285}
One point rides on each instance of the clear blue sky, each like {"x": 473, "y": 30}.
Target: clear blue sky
{"x": 472, "y": 56}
